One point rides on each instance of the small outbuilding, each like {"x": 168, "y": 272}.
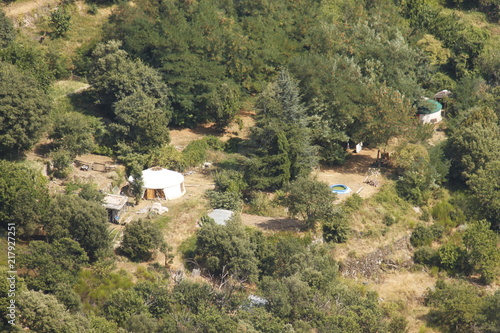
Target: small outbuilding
{"x": 429, "y": 111}
{"x": 115, "y": 205}
{"x": 162, "y": 184}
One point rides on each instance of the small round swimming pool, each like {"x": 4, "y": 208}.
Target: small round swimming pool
{"x": 340, "y": 189}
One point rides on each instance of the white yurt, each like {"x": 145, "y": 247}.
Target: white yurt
{"x": 163, "y": 184}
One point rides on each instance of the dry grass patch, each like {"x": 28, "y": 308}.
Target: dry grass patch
{"x": 406, "y": 291}
{"x": 62, "y": 88}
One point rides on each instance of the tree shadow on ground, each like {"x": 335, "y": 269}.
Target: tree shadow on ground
{"x": 282, "y": 224}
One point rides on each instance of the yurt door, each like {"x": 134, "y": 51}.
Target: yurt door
{"x": 150, "y": 194}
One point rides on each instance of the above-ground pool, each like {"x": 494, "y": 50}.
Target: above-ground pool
{"x": 340, "y": 189}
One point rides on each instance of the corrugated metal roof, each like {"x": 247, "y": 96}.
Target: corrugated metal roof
{"x": 113, "y": 201}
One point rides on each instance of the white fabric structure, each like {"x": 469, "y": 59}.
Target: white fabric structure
{"x": 159, "y": 183}
{"x": 442, "y": 94}
{"x": 430, "y": 118}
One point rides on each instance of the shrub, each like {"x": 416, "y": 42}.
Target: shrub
{"x": 425, "y": 255}
{"x": 260, "y": 204}
{"x": 233, "y": 145}
{"x": 336, "y": 230}
{"x": 453, "y": 258}
{"x": 230, "y": 180}
{"x": 399, "y": 324}
{"x": 60, "y": 20}
{"x": 167, "y": 157}
{"x": 421, "y": 236}
{"x": 139, "y": 239}
{"x": 224, "y": 200}
{"x": 442, "y": 212}
{"x": 390, "y": 219}
{"x": 195, "y": 153}
{"x": 214, "y": 143}
{"x": 437, "y": 231}
{"x": 353, "y": 203}
{"x": 426, "y": 215}
{"x": 62, "y": 160}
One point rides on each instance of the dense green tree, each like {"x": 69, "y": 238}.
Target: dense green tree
{"x": 32, "y": 60}
{"x": 141, "y": 323}
{"x": 454, "y": 306}
{"x": 281, "y": 141}
{"x": 475, "y": 142}
{"x": 156, "y": 295}
{"x": 74, "y": 133}
{"x": 336, "y": 228}
{"x": 386, "y": 114}
{"x": 484, "y": 185}
{"x": 23, "y": 197}
{"x": 333, "y": 88}
{"x": 23, "y": 110}
{"x": 227, "y": 248}
{"x": 139, "y": 123}
{"x": 115, "y": 76}
{"x": 193, "y": 295}
{"x": 5, "y": 290}
{"x": 82, "y": 220}
{"x": 481, "y": 244}
{"x": 89, "y": 192}
{"x": 491, "y": 321}
{"x": 7, "y": 32}
{"x": 310, "y": 199}
{"x": 48, "y": 265}
{"x": 123, "y": 304}
{"x": 61, "y": 163}
{"x": 270, "y": 169}
{"x": 43, "y": 313}
{"x": 139, "y": 239}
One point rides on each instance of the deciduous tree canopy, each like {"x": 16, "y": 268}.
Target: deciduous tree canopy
{"x": 23, "y": 111}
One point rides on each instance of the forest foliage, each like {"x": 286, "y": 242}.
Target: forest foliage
{"x": 322, "y": 76}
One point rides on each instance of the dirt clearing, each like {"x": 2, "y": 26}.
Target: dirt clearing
{"x": 181, "y": 138}
{"x": 353, "y": 173}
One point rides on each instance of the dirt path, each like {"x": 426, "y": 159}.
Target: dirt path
{"x": 18, "y": 8}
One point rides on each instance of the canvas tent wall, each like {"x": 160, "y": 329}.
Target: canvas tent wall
{"x": 429, "y": 111}
{"x": 162, "y": 184}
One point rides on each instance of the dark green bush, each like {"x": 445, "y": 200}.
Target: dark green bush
{"x": 214, "y": 143}
{"x": 140, "y": 238}
{"x": 336, "y": 230}
{"x": 421, "y": 235}
{"x": 425, "y": 255}
{"x": 437, "y": 231}
{"x": 230, "y": 180}
{"x": 453, "y": 258}
{"x": 390, "y": 219}
{"x": 224, "y": 200}
{"x": 233, "y": 145}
